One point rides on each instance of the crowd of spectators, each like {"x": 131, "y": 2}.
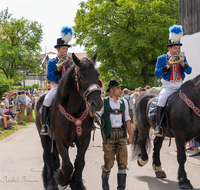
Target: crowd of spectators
{"x": 13, "y": 106}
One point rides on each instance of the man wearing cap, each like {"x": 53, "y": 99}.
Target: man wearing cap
{"x": 54, "y": 74}
{"x": 115, "y": 114}
{"x": 172, "y": 75}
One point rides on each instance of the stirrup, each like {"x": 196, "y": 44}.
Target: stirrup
{"x": 44, "y": 130}
{"x": 158, "y": 131}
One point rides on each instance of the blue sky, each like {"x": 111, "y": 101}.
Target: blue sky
{"x": 52, "y": 14}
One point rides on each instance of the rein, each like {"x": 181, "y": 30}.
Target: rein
{"x": 189, "y": 103}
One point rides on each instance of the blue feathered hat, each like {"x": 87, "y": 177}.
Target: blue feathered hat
{"x": 175, "y": 34}
{"x": 66, "y": 36}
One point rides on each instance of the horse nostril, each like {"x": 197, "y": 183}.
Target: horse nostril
{"x": 93, "y": 104}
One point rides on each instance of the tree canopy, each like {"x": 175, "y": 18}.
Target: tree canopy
{"x": 129, "y": 35}
{"x": 19, "y": 46}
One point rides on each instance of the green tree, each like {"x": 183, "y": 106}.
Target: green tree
{"x": 19, "y": 46}
{"x": 35, "y": 86}
{"x": 129, "y": 35}
{"x": 5, "y": 85}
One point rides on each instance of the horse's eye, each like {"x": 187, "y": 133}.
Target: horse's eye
{"x": 81, "y": 77}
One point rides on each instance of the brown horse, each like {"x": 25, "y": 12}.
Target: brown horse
{"x": 78, "y": 93}
{"x": 184, "y": 126}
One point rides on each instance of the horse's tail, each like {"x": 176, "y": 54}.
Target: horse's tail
{"x": 135, "y": 147}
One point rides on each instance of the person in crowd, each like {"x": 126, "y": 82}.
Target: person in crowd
{"x": 172, "y": 75}
{"x": 9, "y": 112}
{"x": 4, "y": 117}
{"x": 3, "y": 100}
{"x": 6, "y": 100}
{"x": 141, "y": 90}
{"x": 131, "y": 107}
{"x": 147, "y": 87}
{"x": 54, "y": 73}
{"x": 136, "y": 95}
{"x": 12, "y": 102}
{"x": 195, "y": 146}
{"x": 117, "y": 123}
{"x": 28, "y": 107}
{"x": 127, "y": 97}
{"x": 22, "y": 102}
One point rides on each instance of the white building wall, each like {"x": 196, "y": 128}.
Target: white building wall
{"x": 191, "y": 47}
{"x": 31, "y": 82}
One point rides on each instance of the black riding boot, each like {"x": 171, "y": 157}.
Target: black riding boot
{"x": 121, "y": 179}
{"x": 158, "y": 129}
{"x": 105, "y": 177}
{"x": 45, "y": 112}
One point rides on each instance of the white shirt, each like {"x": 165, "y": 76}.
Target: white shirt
{"x": 116, "y": 120}
{"x": 28, "y": 101}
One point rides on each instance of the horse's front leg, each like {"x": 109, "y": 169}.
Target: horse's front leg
{"x": 62, "y": 176}
{"x": 76, "y": 182}
{"x": 184, "y": 183}
{"x": 156, "y": 157}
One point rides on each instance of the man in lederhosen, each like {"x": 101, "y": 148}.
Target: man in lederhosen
{"x": 114, "y": 113}
{"x": 172, "y": 75}
{"x": 54, "y": 74}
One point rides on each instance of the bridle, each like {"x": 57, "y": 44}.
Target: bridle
{"x": 90, "y": 89}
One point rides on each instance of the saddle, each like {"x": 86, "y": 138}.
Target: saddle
{"x": 152, "y": 107}
{"x": 152, "y": 114}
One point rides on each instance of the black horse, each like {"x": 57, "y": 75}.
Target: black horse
{"x": 78, "y": 93}
{"x": 184, "y": 126}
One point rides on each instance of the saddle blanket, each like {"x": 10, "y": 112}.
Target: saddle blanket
{"x": 152, "y": 108}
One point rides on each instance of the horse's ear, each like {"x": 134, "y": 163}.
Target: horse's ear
{"x": 76, "y": 59}
{"x": 94, "y": 57}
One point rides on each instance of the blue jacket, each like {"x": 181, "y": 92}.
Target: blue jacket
{"x": 162, "y": 71}
{"x": 51, "y": 70}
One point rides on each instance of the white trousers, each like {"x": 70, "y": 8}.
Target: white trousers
{"x": 50, "y": 95}
{"x": 167, "y": 89}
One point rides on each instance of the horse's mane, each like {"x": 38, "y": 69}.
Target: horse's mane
{"x": 192, "y": 87}
{"x": 67, "y": 83}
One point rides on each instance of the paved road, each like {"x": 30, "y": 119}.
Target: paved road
{"x": 21, "y": 165}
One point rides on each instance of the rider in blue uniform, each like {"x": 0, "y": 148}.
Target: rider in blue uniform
{"x": 172, "y": 75}
{"x": 54, "y": 73}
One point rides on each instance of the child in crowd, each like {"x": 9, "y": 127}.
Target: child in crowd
{"x": 4, "y": 117}
{"x": 13, "y": 115}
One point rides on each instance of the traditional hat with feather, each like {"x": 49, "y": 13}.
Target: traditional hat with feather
{"x": 175, "y": 34}
{"x": 66, "y": 34}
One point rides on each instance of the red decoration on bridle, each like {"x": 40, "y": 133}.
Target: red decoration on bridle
{"x": 77, "y": 121}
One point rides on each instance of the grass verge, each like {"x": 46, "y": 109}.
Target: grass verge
{"x": 16, "y": 127}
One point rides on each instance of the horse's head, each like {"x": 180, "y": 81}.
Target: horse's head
{"x": 88, "y": 83}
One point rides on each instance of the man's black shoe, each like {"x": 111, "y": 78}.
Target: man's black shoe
{"x": 7, "y": 128}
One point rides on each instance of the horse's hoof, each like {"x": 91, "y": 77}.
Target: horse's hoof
{"x": 141, "y": 162}
{"x": 160, "y": 174}
{"x": 186, "y": 186}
